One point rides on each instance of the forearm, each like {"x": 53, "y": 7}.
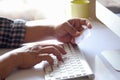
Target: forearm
{"x": 36, "y": 31}
{"x": 7, "y": 64}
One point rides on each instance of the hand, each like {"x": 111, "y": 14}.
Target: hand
{"x": 67, "y": 31}
{"x": 38, "y": 53}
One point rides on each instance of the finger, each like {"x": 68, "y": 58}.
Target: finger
{"x": 61, "y": 49}
{"x": 73, "y": 41}
{"x": 53, "y": 50}
{"x": 45, "y": 57}
{"x": 56, "y": 46}
{"x": 35, "y": 48}
{"x": 85, "y": 22}
{"x": 89, "y": 25}
{"x": 76, "y": 23}
{"x": 70, "y": 29}
{"x": 79, "y": 22}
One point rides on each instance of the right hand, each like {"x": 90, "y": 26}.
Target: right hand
{"x": 67, "y": 31}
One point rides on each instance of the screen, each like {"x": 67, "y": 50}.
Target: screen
{"x": 107, "y": 15}
{"x": 113, "y": 5}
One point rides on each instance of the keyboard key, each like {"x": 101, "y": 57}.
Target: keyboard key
{"x": 74, "y": 66}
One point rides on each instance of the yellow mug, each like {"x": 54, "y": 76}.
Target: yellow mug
{"x": 80, "y": 8}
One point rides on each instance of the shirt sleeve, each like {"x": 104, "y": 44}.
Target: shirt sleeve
{"x": 12, "y": 33}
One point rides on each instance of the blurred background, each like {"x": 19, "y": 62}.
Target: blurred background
{"x": 34, "y": 9}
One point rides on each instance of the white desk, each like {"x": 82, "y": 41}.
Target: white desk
{"x": 101, "y": 39}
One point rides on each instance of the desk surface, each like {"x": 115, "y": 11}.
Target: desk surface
{"x": 101, "y": 39}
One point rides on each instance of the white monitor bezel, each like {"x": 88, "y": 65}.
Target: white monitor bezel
{"x": 107, "y": 17}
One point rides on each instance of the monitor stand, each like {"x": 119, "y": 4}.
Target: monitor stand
{"x": 113, "y": 57}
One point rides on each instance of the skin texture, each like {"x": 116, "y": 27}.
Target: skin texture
{"x": 36, "y": 31}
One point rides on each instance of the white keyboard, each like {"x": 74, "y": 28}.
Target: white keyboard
{"x": 74, "y": 66}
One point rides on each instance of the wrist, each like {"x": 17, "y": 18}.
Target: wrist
{"x": 51, "y": 31}
{"x": 9, "y": 62}
{"x": 16, "y": 59}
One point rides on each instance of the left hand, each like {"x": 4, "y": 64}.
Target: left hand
{"x": 39, "y": 53}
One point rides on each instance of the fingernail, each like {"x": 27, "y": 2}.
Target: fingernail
{"x": 77, "y": 33}
{"x": 89, "y": 25}
{"x": 73, "y": 41}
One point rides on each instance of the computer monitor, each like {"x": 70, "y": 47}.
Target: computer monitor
{"x": 110, "y": 17}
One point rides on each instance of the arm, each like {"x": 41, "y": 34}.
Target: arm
{"x": 37, "y": 30}
{"x": 64, "y": 31}
{"x": 8, "y": 63}
{"x": 14, "y": 33}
